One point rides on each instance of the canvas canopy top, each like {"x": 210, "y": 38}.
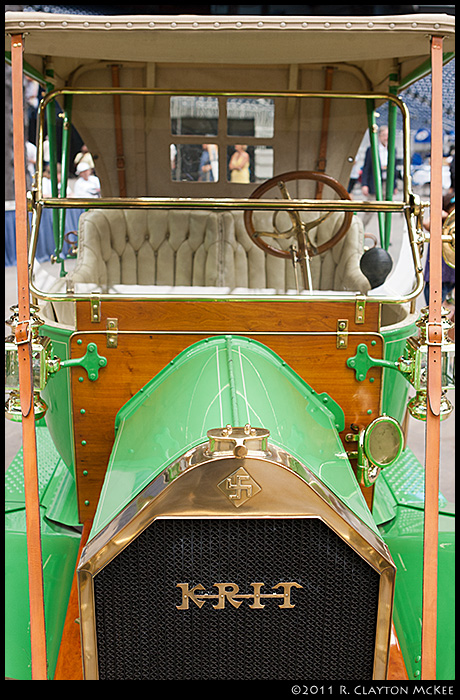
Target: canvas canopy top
{"x": 377, "y": 45}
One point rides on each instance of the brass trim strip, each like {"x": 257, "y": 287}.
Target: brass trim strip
{"x": 305, "y": 298}
{"x": 243, "y": 334}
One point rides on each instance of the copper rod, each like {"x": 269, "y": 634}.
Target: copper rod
{"x": 33, "y": 533}
{"x": 434, "y": 336}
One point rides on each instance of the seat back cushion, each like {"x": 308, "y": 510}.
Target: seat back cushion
{"x": 208, "y": 248}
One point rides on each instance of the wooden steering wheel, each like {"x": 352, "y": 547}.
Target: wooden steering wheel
{"x": 299, "y": 228}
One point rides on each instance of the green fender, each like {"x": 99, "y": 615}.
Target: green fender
{"x": 60, "y": 537}
{"x": 398, "y": 509}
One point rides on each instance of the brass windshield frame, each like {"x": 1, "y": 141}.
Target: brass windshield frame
{"x": 409, "y": 206}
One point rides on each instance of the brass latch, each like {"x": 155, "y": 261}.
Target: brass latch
{"x": 360, "y": 309}
{"x": 342, "y": 333}
{"x": 95, "y": 308}
{"x": 112, "y": 332}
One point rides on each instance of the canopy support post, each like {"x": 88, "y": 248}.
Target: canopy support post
{"x": 24, "y": 344}
{"x": 434, "y": 381}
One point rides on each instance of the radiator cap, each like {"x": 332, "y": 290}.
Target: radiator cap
{"x": 237, "y": 441}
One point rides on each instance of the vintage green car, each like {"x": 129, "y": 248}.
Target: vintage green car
{"x": 214, "y": 482}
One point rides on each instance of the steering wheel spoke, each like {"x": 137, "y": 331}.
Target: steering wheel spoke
{"x": 300, "y": 228}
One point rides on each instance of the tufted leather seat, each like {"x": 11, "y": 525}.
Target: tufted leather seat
{"x": 205, "y": 248}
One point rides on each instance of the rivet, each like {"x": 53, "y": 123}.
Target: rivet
{"x": 86, "y": 503}
{"x": 81, "y": 379}
{"x": 372, "y": 380}
{"x": 85, "y": 472}
{"x": 79, "y": 341}
{"x": 83, "y": 442}
{"x": 373, "y": 342}
{"x": 348, "y": 25}
{"x": 82, "y": 410}
{"x": 369, "y": 412}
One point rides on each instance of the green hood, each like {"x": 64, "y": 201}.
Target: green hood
{"x": 215, "y": 382}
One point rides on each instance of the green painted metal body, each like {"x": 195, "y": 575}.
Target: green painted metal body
{"x": 220, "y": 381}
{"x": 91, "y": 361}
{"x": 399, "y": 512}
{"x": 60, "y": 543}
{"x": 395, "y": 385}
{"x": 57, "y": 396}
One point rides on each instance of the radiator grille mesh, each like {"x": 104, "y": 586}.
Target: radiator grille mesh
{"x": 328, "y": 635}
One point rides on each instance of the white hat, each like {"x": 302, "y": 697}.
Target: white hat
{"x": 81, "y": 167}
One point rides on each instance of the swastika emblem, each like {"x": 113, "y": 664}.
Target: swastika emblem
{"x": 239, "y": 487}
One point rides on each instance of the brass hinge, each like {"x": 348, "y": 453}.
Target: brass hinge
{"x": 112, "y": 332}
{"x": 342, "y": 333}
{"x": 95, "y": 308}
{"x": 360, "y": 311}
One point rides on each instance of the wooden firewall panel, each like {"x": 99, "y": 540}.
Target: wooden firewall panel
{"x": 151, "y": 334}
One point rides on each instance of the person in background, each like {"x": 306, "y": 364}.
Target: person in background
{"x": 239, "y": 164}
{"x": 46, "y": 181}
{"x": 354, "y": 176}
{"x": 208, "y": 162}
{"x": 87, "y": 184}
{"x": 31, "y": 162}
{"x": 448, "y": 273}
{"x": 83, "y": 157}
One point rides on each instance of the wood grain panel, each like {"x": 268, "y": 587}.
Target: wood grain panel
{"x": 69, "y": 666}
{"x": 140, "y": 356}
{"x": 227, "y": 316}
